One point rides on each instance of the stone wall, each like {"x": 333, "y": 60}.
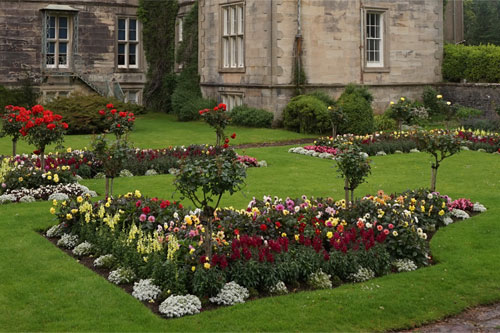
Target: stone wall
{"x": 332, "y": 49}
{"x": 483, "y": 96}
{"x": 94, "y": 58}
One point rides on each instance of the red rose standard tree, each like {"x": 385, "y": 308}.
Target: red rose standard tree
{"x": 218, "y": 118}
{"x": 14, "y": 119}
{"x": 41, "y": 128}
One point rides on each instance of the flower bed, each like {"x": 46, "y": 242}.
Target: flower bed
{"x": 271, "y": 246}
{"x": 382, "y": 143}
{"x": 86, "y": 165}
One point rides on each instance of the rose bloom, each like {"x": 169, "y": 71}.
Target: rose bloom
{"x": 386, "y": 231}
{"x": 142, "y": 218}
{"x": 379, "y": 227}
{"x": 151, "y": 218}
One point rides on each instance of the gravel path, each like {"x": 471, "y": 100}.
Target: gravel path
{"x": 479, "y": 319}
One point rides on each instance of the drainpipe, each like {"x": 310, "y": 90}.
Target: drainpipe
{"x": 361, "y": 42}
{"x": 298, "y": 44}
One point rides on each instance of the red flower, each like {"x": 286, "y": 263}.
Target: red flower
{"x": 118, "y": 125}
{"x": 225, "y": 145}
{"x": 200, "y": 112}
{"x": 146, "y": 210}
{"x": 164, "y": 204}
{"x": 138, "y": 203}
{"x": 263, "y": 227}
{"x": 180, "y": 206}
{"x": 64, "y": 125}
{"x": 216, "y": 108}
{"x": 122, "y": 114}
{"x": 222, "y": 106}
{"x": 113, "y": 111}
{"x": 278, "y": 224}
{"x": 29, "y": 124}
{"x": 51, "y": 126}
{"x": 109, "y": 106}
{"x": 233, "y": 136}
{"x": 102, "y": 112}
{"x": 37, "y": 109}
{"x": 227, "y": 140}
{"x": 236, "y": 232}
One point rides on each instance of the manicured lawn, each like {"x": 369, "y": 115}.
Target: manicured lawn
{"x": 43, "y": 289}
{"x": 159, "y": 130}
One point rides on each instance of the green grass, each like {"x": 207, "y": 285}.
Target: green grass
{"x": 43, "y": 289}
{"x": 160, "y": 130}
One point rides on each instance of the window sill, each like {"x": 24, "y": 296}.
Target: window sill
{"x": 376, "y": 69}
{"x": 232, "y": 70}
{"x": 128, "y": 70}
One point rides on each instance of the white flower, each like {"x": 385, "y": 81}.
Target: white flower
{"x": 278, "y": 289}
{"x": 178, "y": 306}
{"x": 430, "y": 196}
{"x": 460, "y": 214}
{"x": 106, "y": 261}
{"x": 232, "y": 293}
{"x": 479, "y": 208}
{"x": 55, "y": 231}
{"x": 83, "y": 249}
{"x": 404, "y": 265}
{"x": 68, "y": 241}
{"x": 319, "y": 280}
{"x": 363, "y": 274}
{"x": 145, "y": 290}
{"x": 121, "y": 275}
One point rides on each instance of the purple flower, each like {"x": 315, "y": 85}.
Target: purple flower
{"x": 280, "y": 207}
{"x": 142, "y": 218}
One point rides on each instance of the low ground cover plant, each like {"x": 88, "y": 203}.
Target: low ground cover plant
{"x": 272, "y": 245}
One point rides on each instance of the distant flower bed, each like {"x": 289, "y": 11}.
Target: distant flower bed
{"x": 382, "y": 143}
{"x": 183, "y": 260}
{"x": 84, "y": 163}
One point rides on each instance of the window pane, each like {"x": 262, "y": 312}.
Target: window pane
{"x": 121, "y": 54}
{"x": 51, "y": 50}
{"x": 121, "y": 29}
{"x": 234, "y": 22}
{"x": 240, "y": 20}
{"x": 180, "y": 30}
{"x": 241, "y": 63}
{"x": 225, "y": 51}
{"x": 132, "y": 54}
{"x": 132, "y": 34}
{"x": 63, "y": 48}
{"x": 226, "y": 20}
{"x": 132, "y": 97}
{"x": 233, "y": 52}
{"x": 63, "y": 54}
{"x": 51, "y": 27}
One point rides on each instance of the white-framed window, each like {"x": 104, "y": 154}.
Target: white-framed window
{"x": 58, "y": 41}
{"x": 374, "y": 39}
{"x": 232, "y": 100}
{"x": 128, "y": 43}
{"x": 50, "y": 95}
{"x": 131, "y": 96}
{"x": 233, "y": 36}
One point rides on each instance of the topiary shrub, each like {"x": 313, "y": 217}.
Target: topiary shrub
{"x": 307, "y": 114}
{"x": 356, "y": 104}
{"x": 81, "y": 112}
{"x": 251, "y": 117}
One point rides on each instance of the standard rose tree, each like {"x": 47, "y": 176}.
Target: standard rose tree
{"x": 14, "y": 118}
{"x": 218, "y": 118}
{"x": 119, "y": 122}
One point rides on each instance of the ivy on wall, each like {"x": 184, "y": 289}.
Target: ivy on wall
{"x": 158, "y": 25}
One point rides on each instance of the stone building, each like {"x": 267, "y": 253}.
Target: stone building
{"x": 251, "y": 50}
{"x": 72, "y": 46}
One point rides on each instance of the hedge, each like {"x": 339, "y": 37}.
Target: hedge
{"x": 472, "y": 63}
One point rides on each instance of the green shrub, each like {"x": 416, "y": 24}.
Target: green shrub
{"x": 24, "y": 96}
{"x": 464, "y": 112}
{"x": 251, "y": 117}
{"x": 430, "y": 100}
{"x": 355, "y": 101}
{"x": 190, "y": 109}
{"x": 82, "y": 112}
{"x": 353, "y": 88}
{"x": 306, "y": 114}
{"x": 187, "y": 95}
{"x": 472, "y": 63}
{"x": 383, "y": 122}
{"x": 322, "y": 96}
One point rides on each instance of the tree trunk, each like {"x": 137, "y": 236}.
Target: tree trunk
{"x": 14, "y": 146}
{"x": 208, "y": 212}
{"x": 346, "y": 189}
{"x": 400, "y": 125}
{"x": 334, "y": 131}
{"x": 352, "y": 196}
{"x": 107, "y": 187}
{"x": 42, "y": 159}
{"x": 434, "y": 171}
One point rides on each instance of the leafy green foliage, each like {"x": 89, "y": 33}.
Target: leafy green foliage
{"x": 113, "y": 154}
{"x": 353, "y": 166}
{"x": 356, "y": 104}
{"x": 481, "y": 22}
{"x": 322, "y": 96}
{"x": 251, "y": 117}
{"x": 383, "y": 122}
{"x": 430, "y": 100}
{"x": 25, "y": 95}
{"x": 82, "y": 112}
{"x": 472, "y": 63}
{"x": 213, "y": 174}
{"x": 158, "y": 29}
{"x": 464, "y": 112}
{"x": 306, "y": 114}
